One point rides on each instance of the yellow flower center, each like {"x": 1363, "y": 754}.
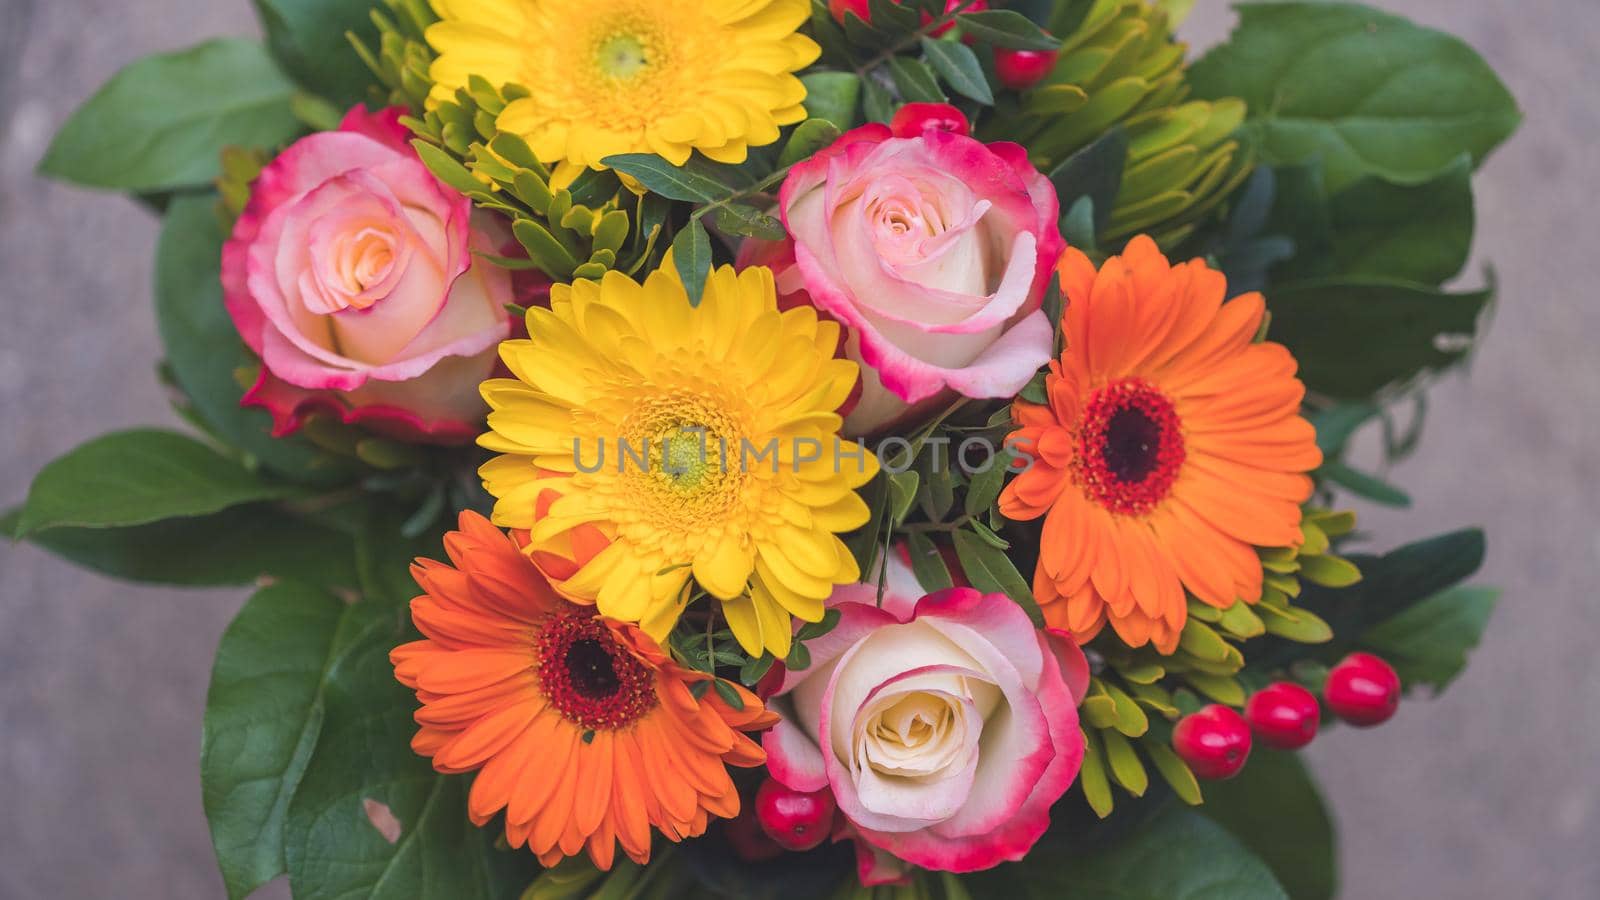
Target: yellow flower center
{"x": 680, "y": 463}
{"x": 622, "y": 56}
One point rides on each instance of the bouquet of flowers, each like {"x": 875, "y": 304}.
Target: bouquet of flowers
{"x": 771, "y": 448}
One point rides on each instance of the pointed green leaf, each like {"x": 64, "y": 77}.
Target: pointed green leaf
{"x": 958, "y": 66}
{"x": 161, "y": 123}
{"x": 691, "y": 253}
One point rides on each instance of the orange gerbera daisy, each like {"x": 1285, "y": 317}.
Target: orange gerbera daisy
{"x": 1172, "y": 442}
{"x": 583, "y": 730}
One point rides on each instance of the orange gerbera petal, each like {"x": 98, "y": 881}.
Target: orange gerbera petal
{"x": 1171, "y": 445}
{"x": 581, "y": 729}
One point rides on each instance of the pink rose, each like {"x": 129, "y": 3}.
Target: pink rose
{"x": 351, "y": 275}
{"x": 935, "y": 250}
{"x": 945, "y": 725}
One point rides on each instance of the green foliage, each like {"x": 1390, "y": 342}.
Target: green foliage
{"x": 1428, "y": 643}
{"x": 264, "y": 712}
{"x": 1404, "y": 607}
{"x": 204, "y": 353}
{"x": 1376, "y": 228}
{"x": 1365, "y": 92}
{"x": 1120, "y": 71}
{"x": 161, "y": 123}
{"x": 1177, "y": 855}
{"x": 234, "y": 547}
{"x": 137, "y": 477}
{"x": 1403, "y": 330}
{"x": 363, "y": 772}
{"x": 311, "y": 40}
{"x": 1273, "y": 806}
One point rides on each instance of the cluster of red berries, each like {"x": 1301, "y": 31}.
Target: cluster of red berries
{"x": 1362, "y": 689}
{"x": 1017, "y": 69}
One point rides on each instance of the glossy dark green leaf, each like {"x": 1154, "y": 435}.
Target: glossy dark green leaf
{"x": 264, "y": 712}
{"x": 1376, "y": 228}
{"x": 1177, "y": 855}
{"x": 1273, "y": 806}
{"x": 1366, "y": 92}
{"x": 691, "y": 253}
{"x": 958, "y": 66}
{"x": 1006, "y": 28}
{"x": 1390, "y": 584}
{"x": 1095, "y": 172}
{"x": 233, "y": 547}
{"x": 139, "y": 476}
{"x": 1402, "y": 330}
{"x": 309, "y": 39}
{"x": 204, "y": 352}
{"x": 363, "y": 772}
{"x": 1337, "y": 424}
{"x": 161, "y": 123}
{"x": 1428, "y": 643}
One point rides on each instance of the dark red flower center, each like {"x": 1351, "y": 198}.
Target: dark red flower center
{"x": 1130, "y": 447}
{"x": 590, "y": 677}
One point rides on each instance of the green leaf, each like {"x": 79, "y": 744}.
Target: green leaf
{"x": 1176, "y": 855}
{"x": 263, "y": 714}
{"x": 915, "y": 81}
{"x": 832, "y": 96}
{"x": 1402, "y": 330}
{"x": 1008, "y": 29}
{"x": 1366, "y": 92}
{"x": 203, "y": 348}
{"x": 161, "y": 123}
{"x": 808, "y": 137}
{"x": 1377, "y": 228}
{"x": 691, "y": 253}
{"x": 927, "y": 563}
{"x": 989, "y": 570}
{"x": 1390, "y": 584}
{"x": 1095, "y": 172}
{"x": 902, "y": 493}
{"x": 1274, "y": 808}
{"x": 310, "y": 39}
{"x": 747, "y": 221}
{"x": 958, "y": 66}
{"x": 363, "y": 771}
{"x": 694, "y": 183}
{"x": 236, "y": 546}
{"x": 1363, "y": 485}
{"x": 1335, "y": 425}
{"x": 1428, "y": 643}
{"x": 139, "y": 476}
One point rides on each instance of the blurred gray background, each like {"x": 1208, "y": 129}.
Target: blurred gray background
{"x": 1490, "y": 791}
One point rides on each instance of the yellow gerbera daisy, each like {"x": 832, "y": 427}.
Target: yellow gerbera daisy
{"x": 631, "y": 76}
{"x": 644, "y": 440}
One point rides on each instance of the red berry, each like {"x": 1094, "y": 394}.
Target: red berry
{"x": 1215, "y": 741}
{"x": 949, "y": 7}
{"x": 1284, "y": 715}
{"x": 795, "y": 820}
{"x": 1022, "y": 69}
{"x": 748, "y": 839}
{"x": 859, "y": 7}
{"x": 916, "y": 119}
{"x": 1363, "y": 690}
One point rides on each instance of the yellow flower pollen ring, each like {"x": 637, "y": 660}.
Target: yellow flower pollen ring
{"x": 607, "y": 77}
{"x": 681, "y": 441}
